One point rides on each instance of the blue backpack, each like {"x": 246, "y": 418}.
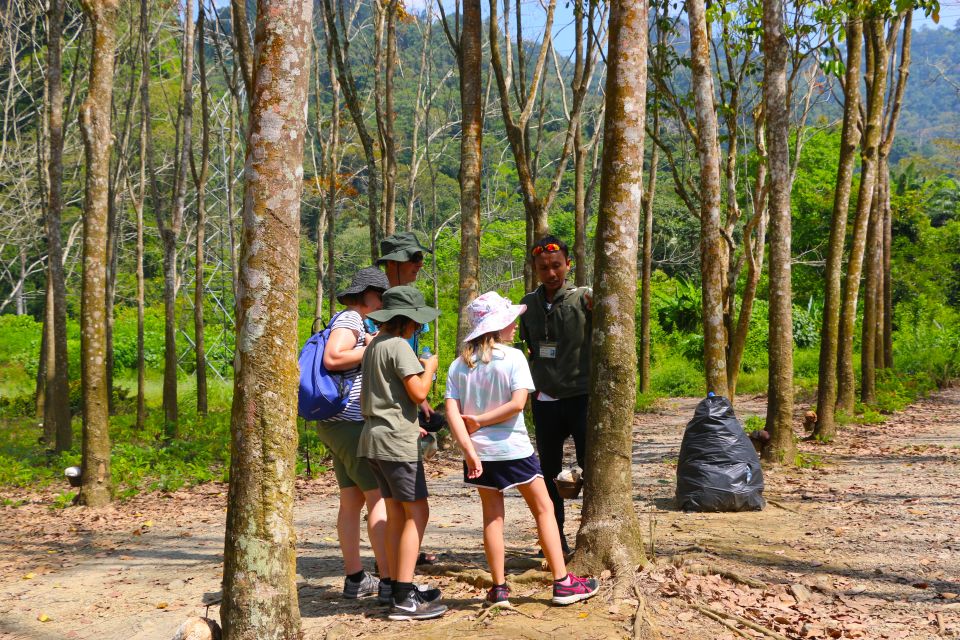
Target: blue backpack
{"x": 323, "y": 394}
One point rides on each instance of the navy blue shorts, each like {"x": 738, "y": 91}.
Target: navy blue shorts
{"x": 500, "y": 475}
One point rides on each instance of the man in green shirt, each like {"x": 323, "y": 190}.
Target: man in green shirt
{"x": 556, "y": 329}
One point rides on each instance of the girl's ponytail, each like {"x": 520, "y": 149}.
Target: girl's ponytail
{"x": 480, "y": 349}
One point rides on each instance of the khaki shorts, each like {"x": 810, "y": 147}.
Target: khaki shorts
{"x": 342, "y": 437}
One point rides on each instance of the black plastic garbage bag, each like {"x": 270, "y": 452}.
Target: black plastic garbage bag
{"x": 719, "y": 469}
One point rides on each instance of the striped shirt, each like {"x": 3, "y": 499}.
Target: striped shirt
{"x": 351, "y": 320}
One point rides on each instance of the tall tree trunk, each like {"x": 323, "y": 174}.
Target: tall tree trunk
{"x": 782, "y": 448}
{"x": 471, "y": 157}
{"x": 95, "y": 125}
{"x": 887, "y": 282}
{"x": 646, "y": 257}
{"x": 579, "y": 208}
{"x": 241, "y": 43}
{"x": 712, "y": 245}
{"x": 341, "y": 55}
{"x": 333, "y": 148}
{"x": 826, "y": 427}
{"x": 609, "y": 534}
{"x": 868, "y": 330}
{"x": 390, "y": 116}
{"x": 259, "y": 584}
{"x": 200, "y": 181}
{"x": 877, "y": 74}
{"x": 56, "y": 408}
{"x": 44, "y": 361}
{"x": 139, "y": 204}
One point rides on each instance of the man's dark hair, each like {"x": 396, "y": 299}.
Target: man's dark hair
{"x": 541, "y": 245}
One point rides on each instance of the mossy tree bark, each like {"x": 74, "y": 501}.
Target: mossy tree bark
{"x": 609, "y": 535}
{"x": 826, "y": 427}
{"x": 468, "y": 48}
{"x": 876, "y": 75}
{"x": 259, "y": 589}
{"x": 782, "y": 448}
{"x": 712, "y": 244}
{"x": 97, "y": 142}
{"x": 56, "y": 407}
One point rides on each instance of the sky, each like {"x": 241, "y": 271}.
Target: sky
{"x": 534, "y": 18}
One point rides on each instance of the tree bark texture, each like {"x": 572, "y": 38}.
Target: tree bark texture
{"x": 139, "y": 204}
{"x": 470, "y": 57}
{"x": 355, "y": 107}
{"x": 97, "y": 139}
{"x": 259, "y": 589}
{"x": 826, "y": 427}
{"x": 871, "y": 298}
{"x": 646, "y": 258}
{"x": 782, "y": 448}
{"x": 170, "y": 227}
{"x": 200, "y": 181}
{"x": 56, "y": 408}
{"x": 609, "y": 535}
{"x": 876, "y": 75}
{"x": 712, "y": 247}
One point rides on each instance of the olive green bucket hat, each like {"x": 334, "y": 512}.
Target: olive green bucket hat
{"x": 404, "y": 301}
{"x": 400, "y": 247}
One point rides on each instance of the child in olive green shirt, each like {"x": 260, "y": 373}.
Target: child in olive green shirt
{"x": 395, "y": 381}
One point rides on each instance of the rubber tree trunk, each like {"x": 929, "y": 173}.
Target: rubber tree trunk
{"x": 97, "y": 141}
{"x": 826, "y": 427}
{"x": 712, "y": 247}
{"x": 877, "y": 74}
{"x": 646, "y": 259}
{"x": 470, "y": 58}
{"x": 782, "y": 448}
{"x": 871, "y": 291}
{"x": 56, "y": 408}
{"x": 200, "y": 181}
{"x": 609, "y": 535}
{"x": 259, "y": 574}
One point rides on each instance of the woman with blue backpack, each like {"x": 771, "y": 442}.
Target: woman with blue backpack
{"x": 345, "y": 345}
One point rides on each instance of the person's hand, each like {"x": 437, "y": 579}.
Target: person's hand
{"x": 471, "y": 423}
{"x": 371, "y": 336}
{"x": 431, "y": 363}
{"x": 474, "y": 466}
{"x": 427, "y": 409}
{"x": 588, "y": 297}
{"x": 423, "y": 432}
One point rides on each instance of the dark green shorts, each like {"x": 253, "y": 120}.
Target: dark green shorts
{"x": 341, "y": 438}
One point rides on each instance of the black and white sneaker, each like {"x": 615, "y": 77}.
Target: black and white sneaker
{"x": 385, "y": 592}
{"x": 368, "y": 586}
{"x": 414, "y": 607}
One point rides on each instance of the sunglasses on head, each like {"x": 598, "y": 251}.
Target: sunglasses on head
{"x": 549, "y": 248}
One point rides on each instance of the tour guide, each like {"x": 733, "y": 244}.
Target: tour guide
{"x": 556, "y": 329}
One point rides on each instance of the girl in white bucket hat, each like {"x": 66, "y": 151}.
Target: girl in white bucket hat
{"x": 487, "y": 389}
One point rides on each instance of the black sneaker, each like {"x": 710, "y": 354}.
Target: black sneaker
{"x": 367, "y": 586}
{"x": 414, "y": 607}
{"x": 385, "y": 592}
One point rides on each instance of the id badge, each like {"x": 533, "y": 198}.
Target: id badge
{"x": 548, "y": 350}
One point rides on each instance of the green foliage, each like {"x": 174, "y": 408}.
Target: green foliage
{"x": 678, "y": 308}
{"x": 754, "y": 423}
{"x": 807, "y": 322}
{"x": 678, "y": 376}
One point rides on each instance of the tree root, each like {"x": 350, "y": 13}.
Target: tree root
{"x": 715, "y": 613}
{"x": 711, "y": 569}
{"x": 643, "y": 625}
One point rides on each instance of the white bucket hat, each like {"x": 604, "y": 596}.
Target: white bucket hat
{"x": 490, "y": 312}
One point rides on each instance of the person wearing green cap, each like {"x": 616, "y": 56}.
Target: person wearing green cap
{"x": 401, "y": 256}
{"x": 395, "y": 381}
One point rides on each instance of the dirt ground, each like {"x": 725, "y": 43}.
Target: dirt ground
{"x": 862, "y": 544}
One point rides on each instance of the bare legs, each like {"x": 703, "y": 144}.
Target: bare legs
{"x": 352, "y": 501}
{"x": 538, "y": 500}
{"x": 406, "y": 522}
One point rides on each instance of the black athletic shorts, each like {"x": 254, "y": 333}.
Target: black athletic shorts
{"x": 401, "y": 481}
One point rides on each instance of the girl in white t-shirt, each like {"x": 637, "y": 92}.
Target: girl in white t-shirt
{"x": 487, "y": 388}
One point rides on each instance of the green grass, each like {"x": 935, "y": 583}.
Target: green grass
{"x": 140, "y": 460}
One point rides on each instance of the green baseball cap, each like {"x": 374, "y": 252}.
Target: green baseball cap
{"x": 404, "y": 301}
{"x": 400, "y": 247}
